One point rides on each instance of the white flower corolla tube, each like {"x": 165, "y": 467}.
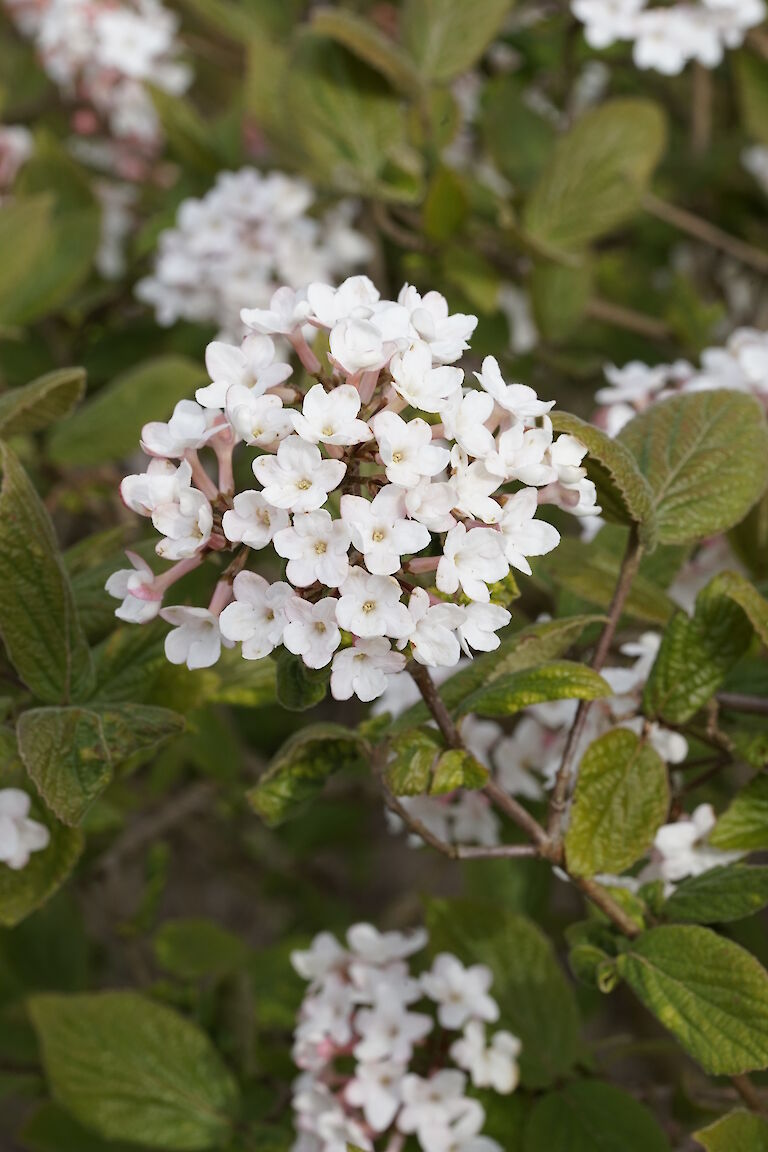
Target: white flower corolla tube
{"x": 387, "y": 526}
{"x": 370, "y": 1073}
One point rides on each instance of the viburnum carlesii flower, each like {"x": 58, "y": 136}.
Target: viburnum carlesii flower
{"x": 323, "y": 956}
{"x": 356, "y": 295}
{"x": 474, "y": 487}
{"x": 407, "y": 450}
{"x": 189, "y": 427}
{"x": 258, "y": 420}
{"x": 389, "y": 1031}
{"x": 517, "y": 399}
{"x": 430, "y": 502}
{"x": 362, "y": 671}
{"x": 634, "y": 382}
{"x": 298, "y": 478}
{"x": 433, "y": 639}
{"x": 464, "y": 418}
{"x": 472, "y": 559}
{"x": 423, "y": 386}
{"x": 431, "y": 1105}
{"x": 162, "y": 483}
{"x": 257, "y": 618}
{"x": 252, "y": 520}
{"x": 20, "y": 836}
{"x": 474, "y": 820}
{"x": 479, "y": 625}
{"x": 370, "y": 606}
{"x": 381, "y": 531}
{"x": 185, "y": 522}
{"x": 133, "y": 587}
{"x": 491, "y": 1065}
{"x": 461, "y": 993}
{"x": 316, "y": 548}
{"x": 288, "y": 311}
{"x": 446, "y": 335}
{"x": 312, "y": 631}
{"x": 682, "y": 849}
{"x": 251, "y": 365}
{"x": 376, "y": 1090}
{"x": 195, "y": 639}
{"x": 356, "y": 345}
{"x": 331, "y": 417}
{"x": 522, "y": 535}
{"x": 369, "y": 944}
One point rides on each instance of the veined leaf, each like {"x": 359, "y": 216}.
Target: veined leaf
{"x": 364, "y": 40}
{"x": 590, "y": 1116}
{"x": 719, "y": 895}
{"x": 743, "y": 827}
{"x": 558, "y": 680}
{"x": 446, "y": 37}
{"x": 739, "y": 1131}
{"x": 43, "y": 402}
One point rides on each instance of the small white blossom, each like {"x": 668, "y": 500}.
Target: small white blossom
{"x": 479, "y": 626}
{"x": 323, "y": 956}
{"x": 407, "y": 450}
{"x": 251, "y": 366}
{"x": 369, "y": 944}
{"x": 464, "y": 418}
{"x": 518, "y": 399}
{"x": 390, "y": 1032}
{"x": 287, "y": 311}
{"x": 312, "y": 632}
{"x": 381, "y": 531}
{"x": 356, "y": 294}
{"x": 316, "y": 548}
{"x": 375, "y": 1089}
{"x": 195, "y": 639}
{"x": 522, "y": 535}
{"x": 133, "y": 587}
{"x": 257, "y": 618}
{"x": 252, "y": 520}
{"x": 186, "y": 523}
{"x": 446, "y": 335}
{"x": 423, "y": 386}
{"x": 258, "y": 420}
{"x": 162, "y": 483}
{"x": 297, "y": 477}
{"x": 370, "y": 606}
{"x": 491, "y": 1065}
{"x": 189, "y": 427}
{"x": 20, "y": 836}
{"x": 433, "y": 640}
{"x": 471, "y": 560}
{"x": 331, "y": 417}
{"x": 362, "y": 671}
{"x": 461, "y": 993}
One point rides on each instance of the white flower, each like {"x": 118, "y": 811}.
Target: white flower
{"x": 256, "y": 419}
{"x": 331, "y": 417}
{"x": 298, "y": 478}
{"x": 185, "y": 522}
{"x": 521, "y": 534}
{"x": 362, "y": 671}
{"x": 423, "y": 386}
{"x": 287, "y": 311}
{"x": 160, "y": 484}
{"x": 357, "y": 346}
{"x": 471, "y": 560}
{"x": 316, "y": 548}
{"x": 474, "y": 820}
{"x": 518, "y": 399}
{"x": 635, "y": 383}
{"x": 461, "y": 993}
{"x": 312, "y": 632}
{"x": 252, "y": 520}
{"x": 19, "y": 835}
{"x": 370, "y": 606}
{"x": 357, "y": 294}
{"x": 607, "y": 20}
{"x": 565, "y": 456}
{"x": 376, "y": 1089}
{"x": 324, "y": 954}
{"x": 479, "y": 626}
{"x": 464, "y": 418}
{"x": 683, "y": 849}
{"x": 189, "y": 427}
{"x": 429, "y": 1106}
{"x": 462, "y": 1132}
{"x": 380, "y": 530}
{"x": 195, "y": 639}
{"x": 376, "y": 947}
{"x": 383, "y": 985}
{"x": 389, "y": 1032}
{"x": 433, "y": 640}
{"x": 490, "y": 1066}
{"x": 133, "y": 587}
{"x": 524, "y": 757}
{"x": 257, "y": 618}
{"x": 524, "y": 457}
{"x": 329, "y": 1011}
{"x": 473, "y": 487}
{"x": 406, "y": 449}
{"x": 662, "y": 40}
{"x": 430, "y": 502}
{"x": 252, "y": 366}
{"x": 447, "y": 336}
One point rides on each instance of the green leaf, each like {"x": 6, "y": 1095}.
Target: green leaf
{"x": 518, "y": 138}
{"x": 302, "y": 766}
{"x": 413, "y": 755}
{"x": 298, "y": 687}
{"x": 530, "y": 646}
{"x": 45, "y": 401}
{"x": 457, "y": 769}
{"x": 695, "y": 655}
{"x": 25, "y": 231}
{"x": 737, "y": 1132}
{"x": 190, "y": 139}
{"x": 107, "y": 428}
{"x": 622, "y": 490}
{"x": 621, "y": 799}
{"x": 446, "y": 37}
{"x": 719, "y": 895}
{"x": 51, "y": 1129}
{"x": 445, "y": 207}
{"x": 752, "y": 86}
{"x": 557, "y": 680}
{"x": 710, "y": 993}
{"x": 38, "y": 620}
{"x": 196, "y": 949}
{"x": 559, "y": 297}
{"x": 134, "y": 1070}
{"x": 369, "y": 44}
{"x": 590, "y": 571}
{"x": 684, "y": 447}
{"x": 597, "y": 174}
{"x": 743, "y": 593}
{"x": 535, "y": 999}
{"x": 71, "y": 753}
{"x": 22, "y": 891}
{"x": 590, "y": 1116}
{"x": 743, "y": 827}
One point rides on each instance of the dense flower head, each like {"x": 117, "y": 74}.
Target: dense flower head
{"x": 105, "y": 55}
{"x": 367, "y": 1075}
{"x": 666, "y": 38}
{"x": 395, "y": 522}
{"x": 251, "y": 240}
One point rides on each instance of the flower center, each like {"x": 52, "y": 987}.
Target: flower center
{"x": 304, "y": 484}
{"x": 397, "y": 457}
{"x": 369, "y": 606}
{"x": 378, "y": 535}
{"x": 328, "y": 430}
{"x": 321, "y": 547}
{"x": 319, "y": 626}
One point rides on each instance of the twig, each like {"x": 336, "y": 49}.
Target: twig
{"x": 628, "y": 319}
{"x": 749, "y": 1094}
{"x": 708, "y": 233}
{"x": 741, "y": 702}
{"x": 605, "y": 902}
{"x": 627, "y": 573}
{"x": 454, "y": 851}
{"x": 701, "y": 109}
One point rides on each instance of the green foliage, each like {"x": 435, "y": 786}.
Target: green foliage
{"x": 194, "y": 949}
{"x": 709, "y": 992}
{"x": 46, "y": 400}
{"x": 535, "y": 1000}
{"x": 743, "y": 827}
{"x": 684, "y": 447}
{"x": 301, "y": 768}
{"x": 133, "y": 1070}
{"x": 413, "y": 755}
{"x": 621, "y": 798}
{"x": 719, "y": 895}
{"x": 559, "y": 296}
{"x": 591, "y": 572}
{"x": 737, "y": 1132}
{"x": 556, "y": 680}
{"x": 298, "y": 687}
{"x": 445, "y": 37}
{"x": 752, "y": 86}
{"x": 587, "y": 1115}
{"x": 457, "y": 769}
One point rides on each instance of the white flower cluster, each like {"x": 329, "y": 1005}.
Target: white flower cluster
{"x": 526, "y": 761}
{"x": 104, "y": 54}
{"x": 367, "y": 1079}
{"x": 666, "y": 38}
{"x": 247, "y": 236}
{"x": 352, "y": 480}
{"x": 19, "y": 836}
{"x": 742, "y": 365}
{"x": 16, "y": 146}
{"x": 682, "y": 849}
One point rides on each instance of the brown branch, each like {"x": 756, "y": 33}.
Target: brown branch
{"x": 700, "y": 229}
{"x": 627, "y": 573}
{"x": 741, "y": 702}
{"x": 749, "y": 1094}
{"x": 620, "y": 317}
{"x": 603, "y": 900}
{"x": 701, "y": 109}
{"x": 454, "y": 851}
{"x": 434, "y": 701}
